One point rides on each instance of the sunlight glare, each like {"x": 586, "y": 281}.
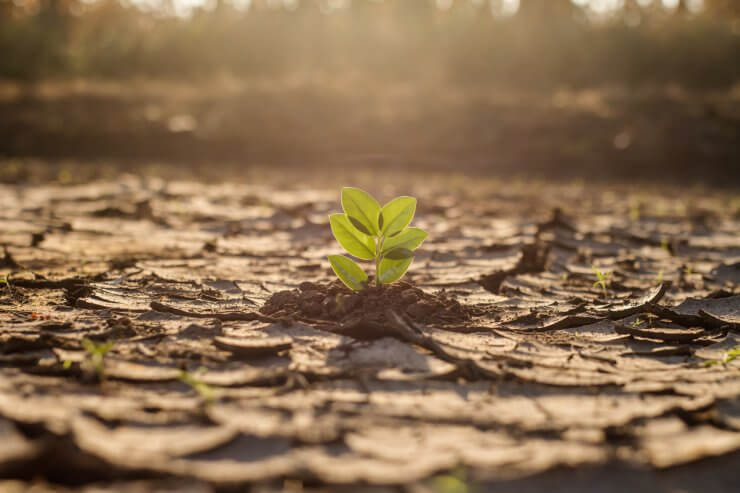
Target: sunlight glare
{"x": 671, "y": 4}
{"x": 504, "y": 8}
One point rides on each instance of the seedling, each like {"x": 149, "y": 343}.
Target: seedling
{"x": 637, "y": 322}
{"x": 602, "y": 279}
{"x": 96, "y": 355}
{"x": 5, "y": 281}
{"x": 371, "y": 232}
{"x": 664, "y": 244}
{"x": 634, "y": 211}
{"x": 193, "y": 380}
{"x": 731, "y": 355}
{"x": 457, "y": 481}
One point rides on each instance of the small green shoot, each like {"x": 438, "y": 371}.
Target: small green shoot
{"x": 659, "y": 276}
{"x": 96, "y": 355}
{"x": 456, "y": 481}
{"x": 193, "y": 380}
{"x": 634, "y": 211}
{"x": 371, "y": 232}
{"x": 665, "y": 245}
{"x": 6, "y": 282}
{"x": 637, "y": 322}
{"x": 602, "y": 279}
{"x": 731, "y": 356}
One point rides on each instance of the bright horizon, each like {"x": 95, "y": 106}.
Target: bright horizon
{"x": 498, "y": 7}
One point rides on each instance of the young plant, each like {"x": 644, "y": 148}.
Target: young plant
{"x": 193, "y": 380}
{"x": 456, "y": 481}
{"x": 731, "y": 356}
{"x": 602, "y": 279}
{"x": 96, "y": 355}
{"x": 5, "y": 281}
{"x": 371, "y": 232}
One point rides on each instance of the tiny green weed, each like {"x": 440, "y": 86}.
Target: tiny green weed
{"x": 731, "y": 356}
{"x": 664, "y": 245}
{"x": 602, "y": 279}
{"x": 456, "y": 481}
{"x": 96, "y": 355}
{"x": 371, "y": 232}
{"x": 193, "y": 380}
{"x": 634, "y": 210}
{"x": 5, "y": 281}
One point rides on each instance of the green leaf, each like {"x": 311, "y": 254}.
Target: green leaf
{"x": 399, "y": 253}
{"x": 89, "y": 345}
{"x": 357, "y": 224}
{"x": 356, "y": 243}
{"x": 348, "y": 272}
{"x": 392, "y": 270}
{"x": 410, "y": 238}
{"x": 397, "y": 214}
{"x": 363, "y": 207}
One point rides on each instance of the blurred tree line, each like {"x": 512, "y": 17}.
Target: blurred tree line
{"x": 529, "y": 43}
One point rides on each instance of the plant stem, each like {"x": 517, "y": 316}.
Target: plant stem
{"x": 378, "y": 258}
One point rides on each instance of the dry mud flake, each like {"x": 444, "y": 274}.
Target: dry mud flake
{"x": 234, "y": 362}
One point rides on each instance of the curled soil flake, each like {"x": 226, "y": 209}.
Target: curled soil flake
{"x": 334, "y": 302}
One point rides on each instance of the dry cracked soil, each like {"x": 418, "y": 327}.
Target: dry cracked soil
{"x": 237, "y": 361}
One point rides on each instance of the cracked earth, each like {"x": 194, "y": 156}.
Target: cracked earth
{"x": 497, "y": 357}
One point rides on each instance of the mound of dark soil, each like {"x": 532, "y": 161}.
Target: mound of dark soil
{"x": 335, "y": 302}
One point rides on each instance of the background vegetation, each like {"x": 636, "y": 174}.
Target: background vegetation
{"x": 532, "y": 43}
{"x": 594, "y": 89}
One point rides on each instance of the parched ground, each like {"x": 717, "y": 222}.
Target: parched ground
{"x": 508, "y": 370}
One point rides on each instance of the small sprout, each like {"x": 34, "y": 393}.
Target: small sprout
{"x": 96, "y": 355}
{"x": 371, "y": 232}
{"x": 687, "y": 270}
{"x": 6, "y": 282}
{"x": 665, "y": 245}
{"x": 731, "y": 356}
{"x": 456, "y": 481}
{"x": 659, "y": 276}
{"x": 637, "y": 322}
{"x": 67, "y": 364}
{"x": 602, "y": 279}
{"x": 201, "y": 388}
{"x": 634, "y": 211}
